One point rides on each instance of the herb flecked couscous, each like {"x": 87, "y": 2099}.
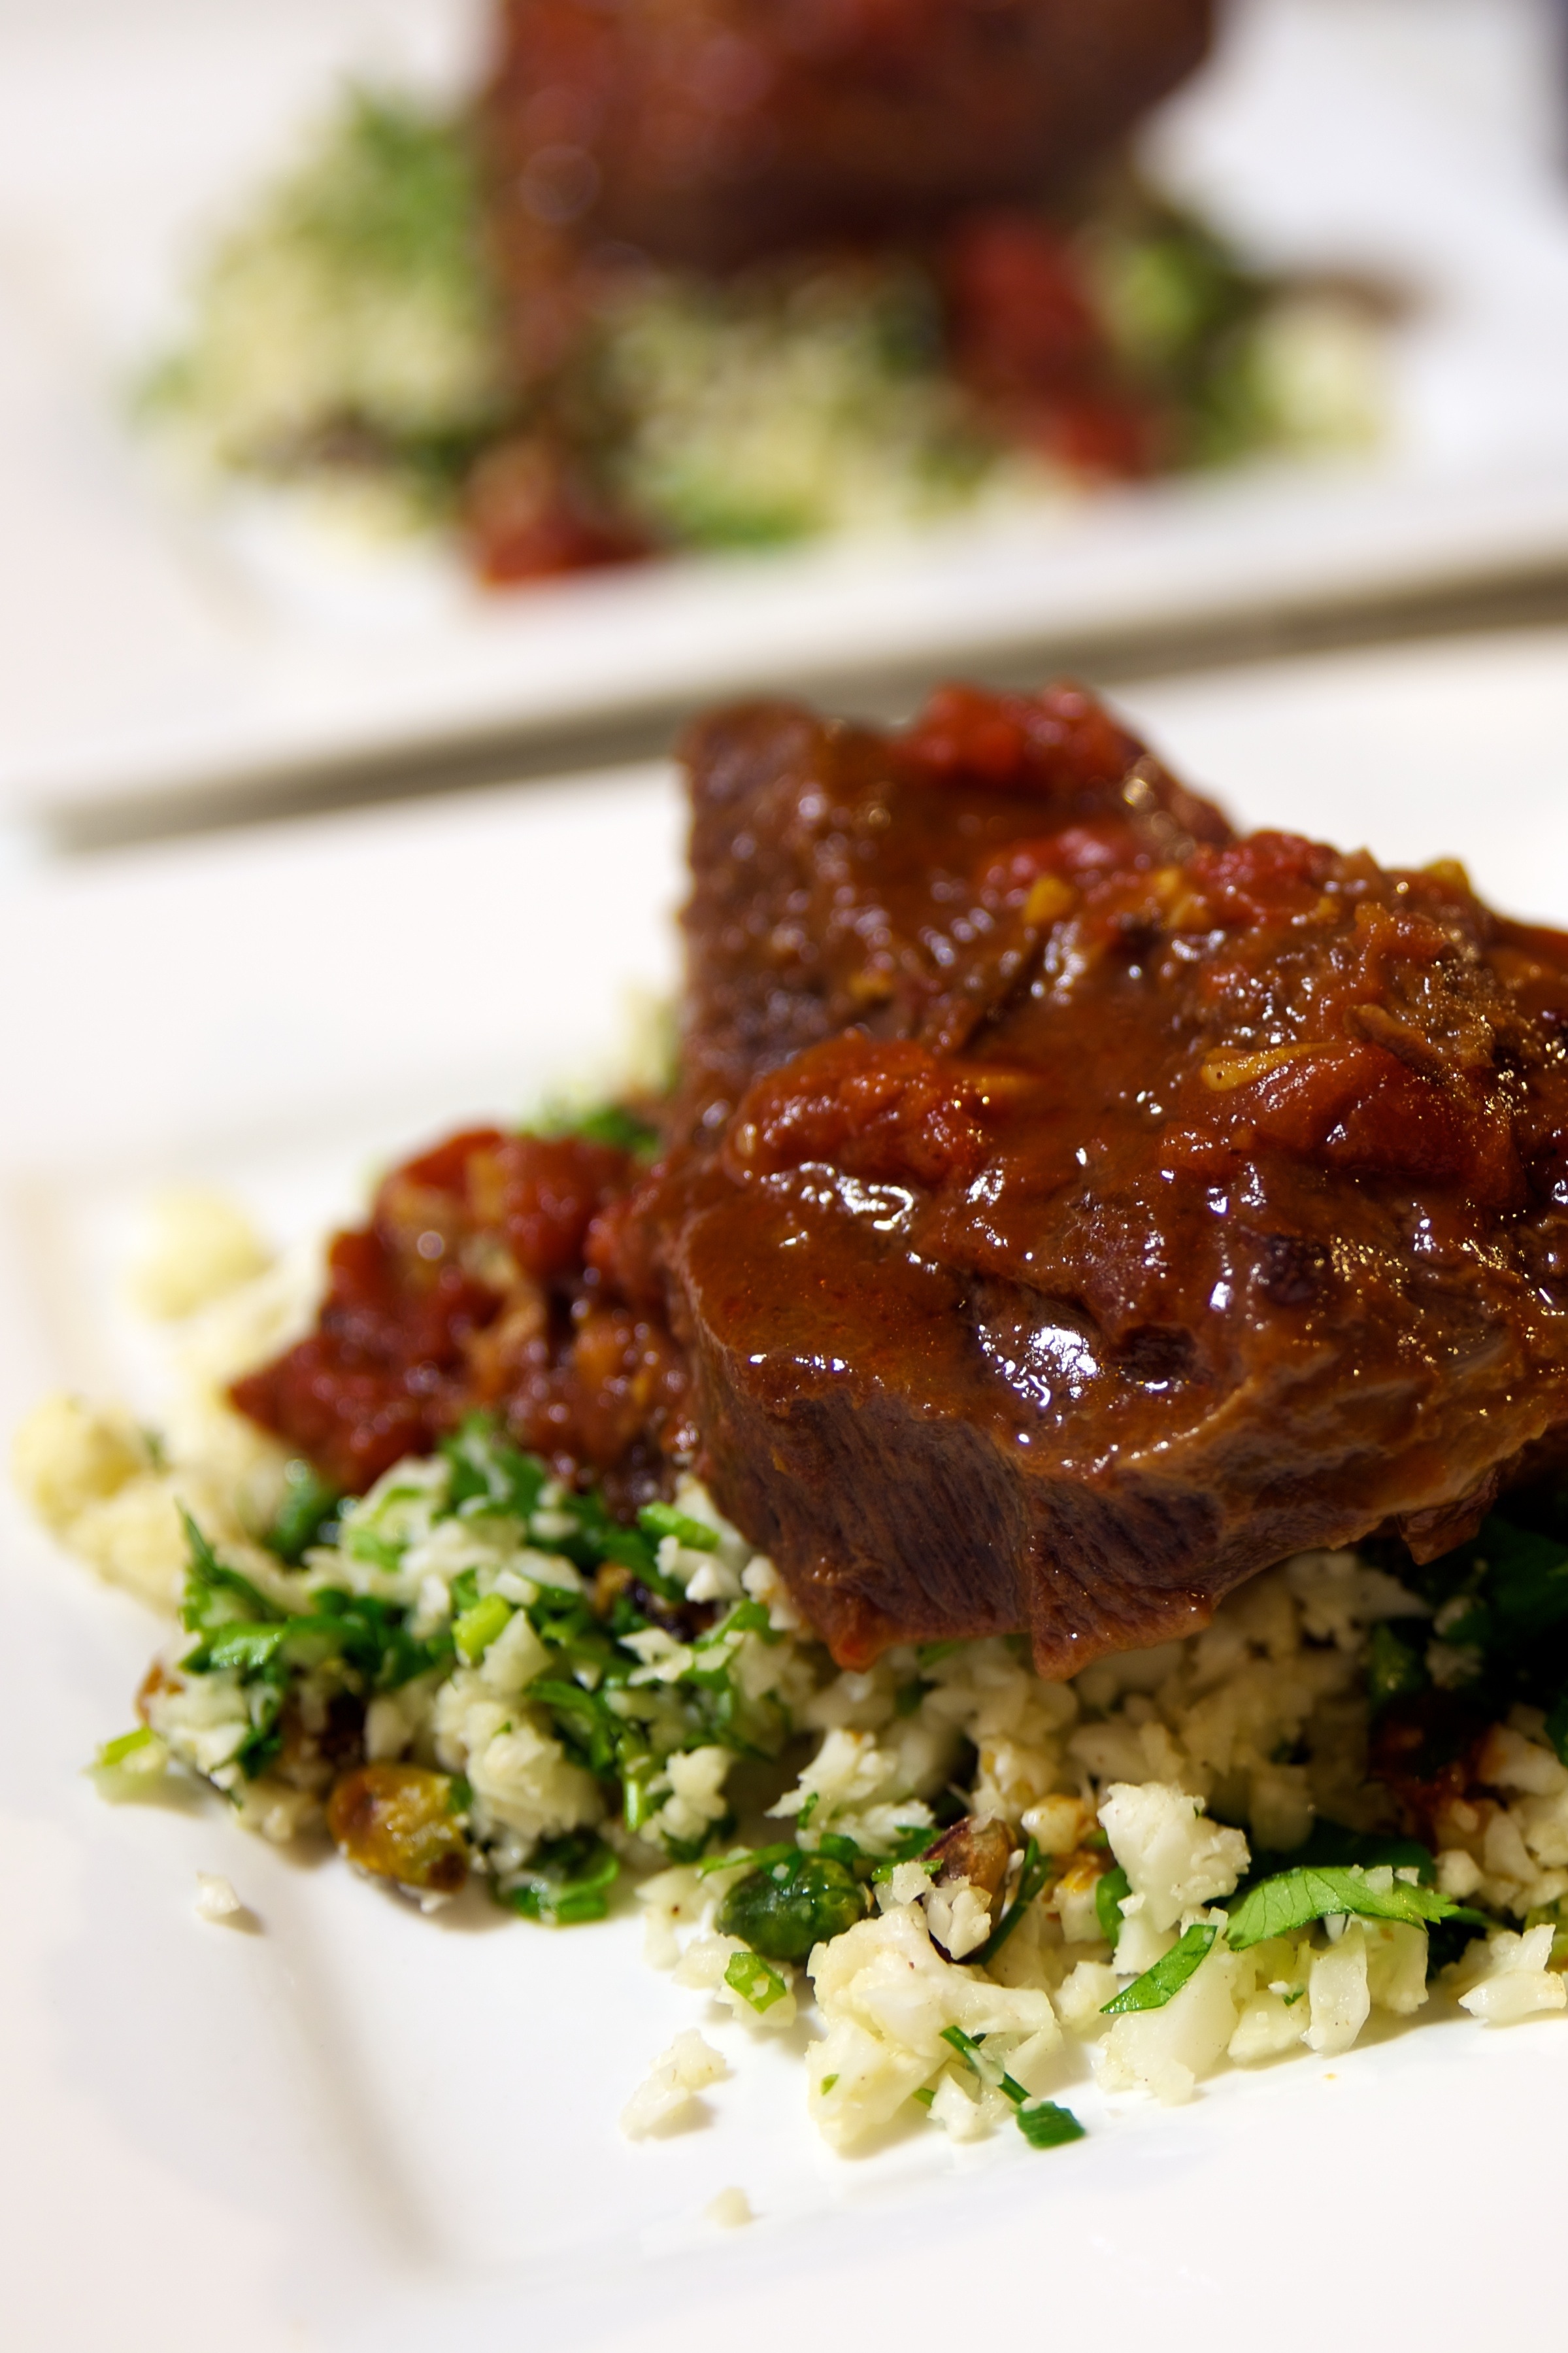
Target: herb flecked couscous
{"x": 1174, "y": 1862}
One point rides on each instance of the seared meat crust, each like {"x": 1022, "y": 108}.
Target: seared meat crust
{"x": 835, "y": 879}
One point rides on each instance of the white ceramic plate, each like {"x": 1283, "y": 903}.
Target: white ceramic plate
{"x": 149, "y": 650}
{"x": 353, "y": 2127}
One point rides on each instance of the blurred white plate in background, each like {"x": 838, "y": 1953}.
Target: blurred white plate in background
{"x": 147, "y": 650}
{"x": 357, "y": 2128}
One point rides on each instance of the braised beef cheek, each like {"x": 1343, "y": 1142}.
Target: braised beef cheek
{"x": 1074, "y": 1209}
{"x": 709, "y": 131}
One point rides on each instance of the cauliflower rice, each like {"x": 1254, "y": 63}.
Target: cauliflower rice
{"x": 689, "y": 1737}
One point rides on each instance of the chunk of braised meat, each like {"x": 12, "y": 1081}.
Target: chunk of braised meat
{"x": 712, "y": 131}
{"x": 520, "y": 1273}
{"x": 476, "y": 1283}
{"x": 898, "y": 883}
{"x": 1082, "y": 1208}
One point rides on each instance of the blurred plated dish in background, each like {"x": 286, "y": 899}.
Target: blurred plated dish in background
{"x": 687, "y": 278}
{"x": 933, "y": 401}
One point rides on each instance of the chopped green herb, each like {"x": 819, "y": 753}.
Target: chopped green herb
{"x": 304, "y": 1516}
{"x": 882, "y": 1871}
{"x": 658, "y": 1520}
{"x": 373, "y": 1637}
{"x": 478, "y": 1628}
{"x": 758, "y": 1857}
{"x": 800, "y": 1900}
{"x": 130, "y": 1746}
{"x": 1296, "y": 1994}
{"x": 216, "y": 1595}
{"x": 1033, "y": 1873}
{"x": 590, "y": 1733}
{"x": 595, "y": 1694}
{"x": 1526, "y": 1581}
{"x": 826, "y": 2085}
{"x": 928, "y": 1653}
{"x": 1557, "y": 1728}
{"x": 566, "y": 1883}
{"x": 1503, "y": 1596}
{"x": 925, "y": 2095}
{"x": 990, "y": 2070}
{"x": 1161, "y": 1984}
{"x": 611, "y": 1123}
{"x": 488, "y": 1474}
{"x": 1393, "y": 1667}
{"x": 240, "y": 1648}
{"x": 1110, "y": 1889}
{"x": 1293, "y": 1899}
{"x": 1041, "y": 2122}
{"x": 1332, "y": 1844}
{"x": 1046, "y": 2126}
{"x": 755, "y": 1981}
{"x": 743, "y": 1618}
{"x": 377, "y": 1551}
{"x": 243, "y": 1633}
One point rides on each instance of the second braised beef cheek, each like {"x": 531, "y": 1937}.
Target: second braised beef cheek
{"x": 712, "y": 132}
{"x": 1078, "y": 1208}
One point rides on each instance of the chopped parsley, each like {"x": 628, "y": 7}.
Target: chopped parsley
{"x": 611, "y": 1123}
{"x": 1110, "y": 1889}
{"x": 1293, "y": 1899}
{"x": 1044, "y": 2124}
{"x": 1041, "y": 2122}
{"x": 479, "y": 1625}
{"x": 658, "y": 1520}
{"x": 755, "y": 1981}
{"x": 141, "y": 1751}
{"x": 306, "y": 1516}
{"x": 1557, "y": 1728}
{"x": 1333, "y": 1843}
{"x": 1161, "y": 1984}
{"x": 619, "y": 1708}
{"x": 1393, "y": 1667}
{"x": 566, "y": 1882}
{"x": 1033, "y": 1873}
{"x": 1502, "y": 1601}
